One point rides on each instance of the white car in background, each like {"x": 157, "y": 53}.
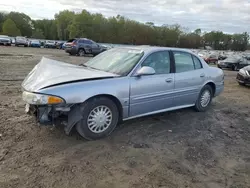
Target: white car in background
{"x": 21, "y": 41}
{"x": 5, "y": 40}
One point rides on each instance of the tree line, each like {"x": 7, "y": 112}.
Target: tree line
{"x": 119, "y": 30}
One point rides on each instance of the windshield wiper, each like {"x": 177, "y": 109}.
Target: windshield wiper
{"x": 82, "y": 64}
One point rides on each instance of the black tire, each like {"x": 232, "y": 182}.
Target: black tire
{"x": 219, "y": 67}
{"x": 241, "y": 84}
{"x": 234, "y": 67}
{"x": 198, "y": 106}
{"x": 82, "y": 126}
{"x": 81, "y": 52}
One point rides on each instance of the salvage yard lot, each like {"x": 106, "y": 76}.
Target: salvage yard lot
{"x": 183, "y": 148}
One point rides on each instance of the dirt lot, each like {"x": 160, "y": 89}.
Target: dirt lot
{"x": 176, "y": 149}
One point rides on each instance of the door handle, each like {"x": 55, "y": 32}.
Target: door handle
{"x": 169, "y": 80}
{"x": 202, "y": 75}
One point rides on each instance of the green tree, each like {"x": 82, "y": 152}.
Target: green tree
{"x": 37, "y": 34}
{"x": 63, "y": 20}
{"x": 23, "y": 22}
{"x": 10, "y": 28}
{"x": 47, "y": 27}
{"x": 2, "y": 18}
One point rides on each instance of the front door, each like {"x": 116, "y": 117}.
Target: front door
{"x": 152, "y": 93}
{"x": 189, "y": 78}
{"x": 95, "y": 48}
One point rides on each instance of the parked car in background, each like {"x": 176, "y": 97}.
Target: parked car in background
{"x": 243, "y": 76}
{"x": 212, "y": 58}
{"x": 233, "y": 63}
{"x": 5, "y": 40}
{"x": 247, "y": 56}
{"x": 222, "y": 57}
{"x": 35, "y": 43}
{"x": 50, "y": 44}
{"x": 119, "y": 84}
{"x": 21, "y": 41}
{"x": 59, "y": 44}
{"x": 82, "y": 46}
{"x": 63, "y": 46}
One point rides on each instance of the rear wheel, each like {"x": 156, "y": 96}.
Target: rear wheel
{"x": 204, "y": 99}
{"x": 100, "y": 117}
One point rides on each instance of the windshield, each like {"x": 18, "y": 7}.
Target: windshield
{"x": 118, "y": 60}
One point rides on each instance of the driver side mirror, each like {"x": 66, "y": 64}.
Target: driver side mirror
{"x": 145, "y": 71}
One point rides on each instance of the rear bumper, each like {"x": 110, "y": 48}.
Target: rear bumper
{"x": 243, "y": 79}
{"x": 20, "y": 43}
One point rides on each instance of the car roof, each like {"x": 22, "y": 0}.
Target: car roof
{"x": 149, "y": 49}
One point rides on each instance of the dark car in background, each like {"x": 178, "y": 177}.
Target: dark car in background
{"x": 21, "y": 41}
{"x": 35, "y": 43}
{"x": 82, "y": 46}
{"x": 5, "y": 40}
{"x": 243, "y": 76}
{"x": 222, "y": 57}
{"x": 233, "y": 63}
{"x": 59, "y": 44}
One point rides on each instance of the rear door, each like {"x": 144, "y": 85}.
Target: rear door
{"x": 152, "y": 93}
{"x": 189, "y": 78}
{"x": 86, "y": 44}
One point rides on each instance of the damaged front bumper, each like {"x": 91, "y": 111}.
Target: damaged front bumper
{"x": 55, "y": 115}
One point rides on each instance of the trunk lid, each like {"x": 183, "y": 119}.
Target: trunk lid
{"x": 50, "y": 72}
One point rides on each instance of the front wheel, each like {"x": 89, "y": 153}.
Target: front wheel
{"x": 81, "y": 52}
{"x": 204, "y": 99}
{"x": 241, "y": 84}
{"x": 100, "y": 117}
{"x": 235, "y": 67}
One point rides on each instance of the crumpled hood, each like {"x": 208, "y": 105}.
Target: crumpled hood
{"x": 50, "y": 72}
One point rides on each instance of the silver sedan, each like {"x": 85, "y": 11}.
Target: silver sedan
{"x": 119, "y": 84}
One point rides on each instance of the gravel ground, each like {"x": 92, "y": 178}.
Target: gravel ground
{"x": 182, "y": 148}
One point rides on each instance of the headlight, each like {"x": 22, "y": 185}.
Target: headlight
{"x": 243, "y": 72}
{"x": 40, "y": 99}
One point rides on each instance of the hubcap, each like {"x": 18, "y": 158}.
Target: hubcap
{"x": 205, "y": 98}
{"x": 81, "y": 53}
{"x": 99, "y": 119}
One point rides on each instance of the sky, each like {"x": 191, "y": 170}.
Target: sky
{"x": 231, "y": 16}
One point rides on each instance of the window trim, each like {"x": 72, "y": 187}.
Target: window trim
{"x": 198, "y": 60}
{"x": 145, "y": 58}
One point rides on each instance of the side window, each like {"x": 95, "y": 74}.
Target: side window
{"x": 81, "y": 41}
{"x": 159, "y": 61}
{"x": 88, "y": 42}
{"x": 197, "y": 63}
{"x": 183, "y": 62}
